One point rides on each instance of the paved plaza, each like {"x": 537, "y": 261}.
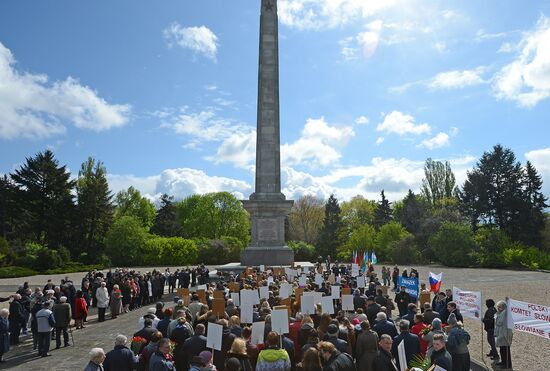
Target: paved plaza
{"x": 529, "y": 352}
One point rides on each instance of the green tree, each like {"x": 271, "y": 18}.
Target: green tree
{"x": 454, "y": 245}
{"x": 439, "y": 183}
{"x": 532, "y": 214}
{"x": 405, "y": 251}
{"x": 131, "y": 203}
{"x": 303, "y": 252}
{"x": 491, "y": 241}
{"x": 412, "y": 212}
{"x": 329, "y": 238}
{"x": 493, "y": 192}
{"x": 94, "y": 208}
{"x": 383, "y": 211}
{"x": 44, "y": 192}
{"x": 166, "y": 221}
{"x": 306, "y": 219}
{"x": 357, "y": 212}
{"x": 545, "y": 234}
{"x": 126, "y": 240}
{"x": 386, "y": 238}
{"x": 361, "y": 239}
{"x": 213, "y": 216}
{"x": 11, "y": 215}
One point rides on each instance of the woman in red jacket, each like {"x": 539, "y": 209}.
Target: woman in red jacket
{"x": 80, "y": 310}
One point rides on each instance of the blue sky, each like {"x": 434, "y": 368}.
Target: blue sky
{"x": 165, "y": 94}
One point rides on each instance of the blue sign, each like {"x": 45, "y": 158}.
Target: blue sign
{"x": 411, "y": 284}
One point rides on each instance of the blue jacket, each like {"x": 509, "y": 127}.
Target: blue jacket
{"x": 385, "y": 327}
{"x": 158, "y": 362}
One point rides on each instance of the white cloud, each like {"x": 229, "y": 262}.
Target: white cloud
{"x": 322, "y": 14}
{"x": 482, "y": 35}
{"x": 399, "y": 123}
{"x": 364, "y": 43}
{"x": 204, "y": 126}
{"x": 457, "y": 79}
{"x": 438, "y": 141}
{"x": 180, "y": 183}
{"x": 526, "y": 80}
{"x": 198, "y": 39}
{"x": 362, "y": 120}
{"x": 238, "y": 149}
{"x": 317, "y": 145}
{"x": 31, "y": 107}
{"x": 379, "y": 140}
{"x": 540, "y": 158}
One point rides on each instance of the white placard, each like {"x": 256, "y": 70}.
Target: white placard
{"x": 257, "y": 336}
{"x": 285, "y": 291}
{"x": 347, "y": 302}
{"x": 335, "y": 292}
{"x": 279, "y": 321}
{"x": 318, "y": 297}
{"x": 402, "y": 356}
{"x": 262, "y": 268}
{"x": 360, "y": 282}
{"x": 269, "y": 280}
{"x": 531, "y": 318}
{"x": 327, "y": 304}
{"x": 264, "y": 292}
{"x": 468, "y": 302}
{"x": 319, "y": 279}
{"x": 236, "y": 299}
{"x": 202, "y": 287}
{"x": 250, "y": 297}
{"x": 214, "y": 336}
{"x": 308, "y": 304}
{"x": 302, "y": 280}
{"x": 354, "y": 270}
{"x": 247, "y": 313}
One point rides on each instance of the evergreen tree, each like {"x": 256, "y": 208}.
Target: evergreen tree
{"x": 10, "y": 213}
{"x": 492, "y": 192}
{"x": 532, "y": 219}
{"x": 44, "y": 192}
{"x": 94, "y": 208}
{"x": 412, "y": 213}
{"x": 329, "y": 237}
{"x": 166, "y": 221}
{"x": 383, "y": 213}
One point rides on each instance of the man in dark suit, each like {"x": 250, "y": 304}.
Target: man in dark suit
{"x": 411, "y": 341}
{"x": 384, "y": 360}
{"x": 196, "y": 343}
{"x": 383, "y": 326}
{"x": 147, "y": 331}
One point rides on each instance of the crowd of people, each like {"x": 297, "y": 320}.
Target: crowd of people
{"x": 175, "y": 338}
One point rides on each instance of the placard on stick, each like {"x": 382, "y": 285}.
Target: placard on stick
{"x": 327, "y": 303}
{"x": 346, "y": 290}
{"x": 425, "y": 297}
{"x": 218, "y": 307}
{"x": 308, "y": 304}
{"x": 236, "y": 299}
{"x": 279, "y": 321}
{"x": 247, "y": 313}
{"x": 218, "y": 294}
{"x": 347, "y": 302}
{"x": 234, "y": 287}
{"x": 202, "y": 296}
{"x": 214, "y": 338}
{"x": 257, "y": 336}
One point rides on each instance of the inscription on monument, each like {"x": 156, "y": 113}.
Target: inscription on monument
{"x": 267, "y": 229}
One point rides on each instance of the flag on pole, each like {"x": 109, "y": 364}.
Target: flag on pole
{"x": 365, "y": 261}
{"x": 435, "y": 281}
{"x": 354, "y": 257}
{"x": 373, "y": 258}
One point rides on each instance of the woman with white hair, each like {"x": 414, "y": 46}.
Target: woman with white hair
{"x": 102, "y": 297}
{"x": 503, "y": 336}
{"x": 4, "y": 333}
{"x": 116, "y": 301}
{"x": 97, "y": 356}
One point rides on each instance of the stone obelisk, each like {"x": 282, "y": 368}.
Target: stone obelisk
{"x": 267, "y": 206}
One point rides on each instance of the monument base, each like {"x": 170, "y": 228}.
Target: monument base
{"x": 272, "y": 256}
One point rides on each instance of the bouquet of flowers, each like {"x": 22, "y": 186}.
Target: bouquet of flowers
{"x": 425, "y": 330}
{"x": 137, "y": 344}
